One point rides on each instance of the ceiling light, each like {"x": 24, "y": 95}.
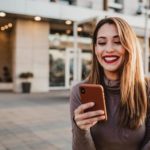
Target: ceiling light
{"x": 2, "y": 28}
{"x": 6, "y": 26}
{"x": 2, "y": 14}
{"x": 79, "y": 29}
{"x": 37, "y": 18}
{"x": 68, "y": 31}
{"x": 68, "y": 22}
{"x": 9, "y": 25}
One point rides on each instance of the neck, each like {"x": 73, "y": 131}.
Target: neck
{"x": 111, "y": 75}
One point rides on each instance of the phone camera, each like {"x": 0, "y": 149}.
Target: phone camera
{"x": 82, "y": 90}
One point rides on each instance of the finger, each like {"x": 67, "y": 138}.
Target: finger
{"x": 89, "y": 114}
{"x": 87, "y": 127}
{"x": 90, "y": 121}
{"x": 94, "y": 123}
{"x": 83, "y": 107}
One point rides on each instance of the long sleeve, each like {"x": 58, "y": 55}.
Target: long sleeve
{"x": 81, "y": 139}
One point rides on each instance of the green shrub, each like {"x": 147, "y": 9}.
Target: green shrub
{"x": 26, "y": 75}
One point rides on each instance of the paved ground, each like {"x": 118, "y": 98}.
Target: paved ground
{"x": 34, "y": 122}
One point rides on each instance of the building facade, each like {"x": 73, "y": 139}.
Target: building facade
{"x": 52, "y": 39}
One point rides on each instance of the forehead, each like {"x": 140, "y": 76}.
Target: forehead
{"x": 107, "y": 30}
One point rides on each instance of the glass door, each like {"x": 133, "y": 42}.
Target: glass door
{"x": 56, "y": 68}
{"x": 69, "y": 67}
{"x": 86, "y": 61}
{"x": 83, "y": 67}
{"x": 61, "y": 66}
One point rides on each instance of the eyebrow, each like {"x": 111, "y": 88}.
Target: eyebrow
{"x": 103, "y": 37}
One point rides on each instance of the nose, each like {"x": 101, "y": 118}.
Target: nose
{"x": 109, "y": 48}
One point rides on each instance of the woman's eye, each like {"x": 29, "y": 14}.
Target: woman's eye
{"x": 118, "y": 42}
{"x": 101, "y": 43}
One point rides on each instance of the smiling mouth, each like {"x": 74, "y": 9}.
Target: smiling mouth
{"x": 110, "y": 59}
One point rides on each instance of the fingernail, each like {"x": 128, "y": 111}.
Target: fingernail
{"x": 92, "y": 103}
{"x": 103, "y": 117}
{"x": 101, "y": 111}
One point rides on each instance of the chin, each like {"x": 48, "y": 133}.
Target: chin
{"x": 112, "y": 70}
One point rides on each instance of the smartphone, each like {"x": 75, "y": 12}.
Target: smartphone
{"x": 93, "y": 93}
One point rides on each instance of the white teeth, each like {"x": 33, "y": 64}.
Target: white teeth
{"x": 110, "y": 58}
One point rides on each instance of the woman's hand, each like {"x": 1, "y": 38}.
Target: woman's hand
{"x": 85, "y": 120}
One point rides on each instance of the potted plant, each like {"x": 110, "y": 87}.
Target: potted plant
{"x": 26, "y": 84}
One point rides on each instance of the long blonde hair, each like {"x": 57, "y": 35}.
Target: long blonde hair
{"x": 133, "y": 104}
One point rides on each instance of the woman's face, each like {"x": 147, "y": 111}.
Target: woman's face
{"x": 108, "y": 49}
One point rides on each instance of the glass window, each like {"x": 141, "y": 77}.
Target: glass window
{"x": 57, "y": 67}
{"x": 71, "y": 70}
{"x": 86, "y": 63}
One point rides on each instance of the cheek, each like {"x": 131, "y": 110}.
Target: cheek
{"x": 121, "y": 50}
{"x": 123, "y": 54}
{"x": 98, "y": 52}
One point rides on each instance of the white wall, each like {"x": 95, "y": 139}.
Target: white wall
{"x": 31, "y": 53}
{"x": 130, "y": 7}
{"x": 59, "y": 11}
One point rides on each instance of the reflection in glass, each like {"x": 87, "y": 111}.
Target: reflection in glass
{"x": 71, "y": 71}
{"x": 86, "y": 64}
{"x": 57, "y": 67}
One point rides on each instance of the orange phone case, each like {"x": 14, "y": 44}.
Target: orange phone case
{"x": 93, "y": 93}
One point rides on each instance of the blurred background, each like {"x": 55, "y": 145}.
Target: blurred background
{"x": 51, "y": 39}
{"x": 45, "y": 48}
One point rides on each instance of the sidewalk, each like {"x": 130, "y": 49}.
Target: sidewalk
{"x": 35, "y": 121}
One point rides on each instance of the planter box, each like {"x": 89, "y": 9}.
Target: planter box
{"x": 26, "y": 87}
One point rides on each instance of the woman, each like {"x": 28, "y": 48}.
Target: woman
{"x": 117, "y": 66}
